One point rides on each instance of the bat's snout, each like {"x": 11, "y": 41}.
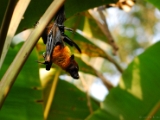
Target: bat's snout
{"x": 75, "y": 76}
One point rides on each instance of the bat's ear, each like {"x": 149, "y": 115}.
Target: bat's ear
{"x": 72, "y": 57}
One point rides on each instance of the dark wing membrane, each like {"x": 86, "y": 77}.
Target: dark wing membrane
{"x": 54, "y": 38}
{"x": 49, "y": 46}
{"x": 46, "y": 32}
{"x": 70, "y": 42}
{"x": 60, "y": 16}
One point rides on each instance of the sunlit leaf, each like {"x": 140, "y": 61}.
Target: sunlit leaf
{"x": 137, "y": 96}
{"x": 88, "y": 47}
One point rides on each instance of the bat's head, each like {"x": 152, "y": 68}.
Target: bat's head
{"x": 73, "y": 68}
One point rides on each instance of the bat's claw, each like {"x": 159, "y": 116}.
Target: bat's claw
{"x": 69, "y": 29}
{"x": 41, "y": 62}
{"x": 70, "y": 42}
{"x": 62, "y": 28}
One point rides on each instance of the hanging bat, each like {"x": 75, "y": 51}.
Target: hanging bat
{"x": 56, "y": 51}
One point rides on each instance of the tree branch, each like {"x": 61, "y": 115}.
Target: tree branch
{"x": 12, "y": 72}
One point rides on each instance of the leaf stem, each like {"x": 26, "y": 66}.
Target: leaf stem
{"x": 153, "y": 111}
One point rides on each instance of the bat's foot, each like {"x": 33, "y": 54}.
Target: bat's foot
{"x": 44, "y": 54}
{"x": 62, "y": 27}
{"x": 48, "y": 64}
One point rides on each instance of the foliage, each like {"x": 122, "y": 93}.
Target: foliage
{"x": 136, "y": 96}
{"x": 25, "y": 99}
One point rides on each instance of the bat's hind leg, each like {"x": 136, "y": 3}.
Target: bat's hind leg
{"x": 62, "y": 28}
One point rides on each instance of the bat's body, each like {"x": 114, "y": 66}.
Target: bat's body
{"x": 56, "y": 51}
{"x": 61, "y": 56}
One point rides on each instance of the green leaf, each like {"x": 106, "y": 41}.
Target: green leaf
{"x": 137, "y": 96}
{"x": 3, "y": 7}
{"x": 155, "y": 3}
{"x": 88, "y": 47}
{"x": 83, "y": 67}
{"x": 101, "y": 114}
{"x": 69, "y": 103}
{"x": 87, "y": 24}
{"x": 37, "y": 8}
{"x": 25, "y": 98}
{"x": 73, "y": 7}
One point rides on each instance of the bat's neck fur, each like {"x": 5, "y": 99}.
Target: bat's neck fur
{"x": 61, "y": 56}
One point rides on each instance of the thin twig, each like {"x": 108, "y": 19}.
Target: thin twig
{"x": 12, "y": 72}
{"x": 105, "y": 30}
{"x": 109, "y": 58}
{"x": 106, "y": 82}
{"x": 6, "y": 22}
{"x": 51, "y": 95}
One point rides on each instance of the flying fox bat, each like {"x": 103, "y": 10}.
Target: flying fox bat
{"x": 56, "y": 50}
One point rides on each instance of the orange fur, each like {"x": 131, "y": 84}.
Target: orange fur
{"x": 61, "y": 56}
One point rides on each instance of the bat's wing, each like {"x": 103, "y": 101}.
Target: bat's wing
{"x": 54, "y": 35}
{"x": 70, "y": 42}
{"x": 49, "y": 46}
{"x": 54, "y": 38}
{"x": 59, "y": 20}
{"x": 66, "y": 38}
